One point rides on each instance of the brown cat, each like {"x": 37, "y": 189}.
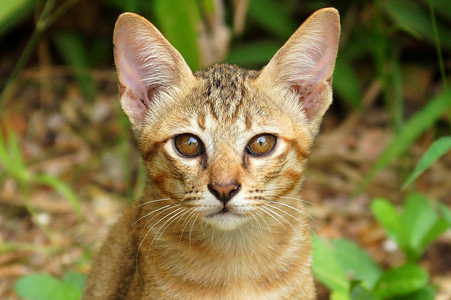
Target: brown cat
{"x": 225, "y": 150}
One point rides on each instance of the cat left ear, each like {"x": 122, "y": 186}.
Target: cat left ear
{"x": 147, "y": 65}
{"x": 303, "y": 67}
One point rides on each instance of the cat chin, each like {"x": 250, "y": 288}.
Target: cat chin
{"x": 226, "y": 221}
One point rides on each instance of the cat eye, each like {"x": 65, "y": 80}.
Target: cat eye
{"x": 189, "y": 145}
{"x": 261, "y": 144}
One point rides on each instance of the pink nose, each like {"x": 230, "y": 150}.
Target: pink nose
{"x": 224, "y": 192}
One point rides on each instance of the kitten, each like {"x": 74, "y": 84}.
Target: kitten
{"x": 225, "y": 151}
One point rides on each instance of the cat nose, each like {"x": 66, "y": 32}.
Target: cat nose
{"x": 224, "y": 192}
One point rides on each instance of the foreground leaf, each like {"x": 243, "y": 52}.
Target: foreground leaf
{"x": 387, "y": 215}
{"x": 413, "y": 128}
{"x": 418, "y": 219}
{"x": 44, "y": 287}
{"x": 401, "y": 281}
{"x": 435, "y": 151}
{"x": 356, "y": 262}
{"x": 327, "y": 269}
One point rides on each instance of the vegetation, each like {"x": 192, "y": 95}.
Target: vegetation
{"x": 390, "y": 83}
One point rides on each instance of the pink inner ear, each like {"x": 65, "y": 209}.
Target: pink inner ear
{"x": 311, "y": 98}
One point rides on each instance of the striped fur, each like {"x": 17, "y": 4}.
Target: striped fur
{"x": 174, "y": 243}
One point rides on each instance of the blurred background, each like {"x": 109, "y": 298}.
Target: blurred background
{"x": 68, "y": 165}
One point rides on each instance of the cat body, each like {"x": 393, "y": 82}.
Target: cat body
{"x": 225, "y": 151}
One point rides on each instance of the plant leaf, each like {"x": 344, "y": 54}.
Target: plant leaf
{"x": 389, "y": 218}
{"x": 44, "y": 287}
{"x": 446, "y": 212}
{"x": 62, "y": 188}
{"x": 412, "y": 129}
{"x": 356, "y": 262}
{"x": 418, "y": 219}
{"x": 346, "y": 82}
{"x": 271, "y": 16}
{"x": 71, "y": 48}
{"x": 414, "y": 19}
{"x": 427, "y": 293}
{"x": 327, "y": 269}
{"x": 254, "y": 54}
{"x": 401, "y": 281}
{"x": 76, "y": 279}
{"x": 359, "y": 292}
{"x": 435, "y": 151}
{"x": 179, "y": 21}
{"x": 13, "y": 11}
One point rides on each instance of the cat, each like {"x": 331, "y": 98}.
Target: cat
{"x": 225, "y": 150}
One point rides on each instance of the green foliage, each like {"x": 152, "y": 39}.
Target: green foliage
{"x": 14, "y": 166}
{"x": 179, "y": 21}
{"x": 416, "y": 227}
{"x": 350, "y": 272}
{"x": 435, "y": 151}
{"x": 12, "y": 12}
{"x": 413, "y": 128}
{"x": 70, "y": 46}
{"x": 45, "y": 287}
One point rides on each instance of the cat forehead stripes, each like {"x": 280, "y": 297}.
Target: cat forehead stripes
{"x": 223, "y": 89}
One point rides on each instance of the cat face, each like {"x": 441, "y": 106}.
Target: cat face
{"x": 227, "y": 143}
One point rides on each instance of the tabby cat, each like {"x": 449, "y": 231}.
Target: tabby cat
{"x": 225, "y": 151}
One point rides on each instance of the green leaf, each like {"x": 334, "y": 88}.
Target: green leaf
{"x": 401, "y": 281}
{"x": 179, "y": 21}
{"x": 44, "y": 287}
{"x": 327, "y": 269}
{"x": 413, "y": 128}
{"x": 440, "y": 226}
{"x": 253, "y": 54}
{"x": 445, "y": 212}
{"x": 412, "y": 17}
{"x": 12, "y": 12}
{"x": 435, "y": 151}
{"x": 356, "y": 262}
{"x": 71, "y": 48}
{"x": 427, "y": 293}
{"x": 62, "y": 188}
{"x": 272, "y": 16}
{"x": 346, "y": 82}
{"x": 359, "y": 292}
{"x": 339, "y": 295}
{"x": 387, "y": 215}
{"x": 418, "y": 219}
{"x": 76, "y": 279}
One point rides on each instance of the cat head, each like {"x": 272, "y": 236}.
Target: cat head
{"x": 226, "y": 142}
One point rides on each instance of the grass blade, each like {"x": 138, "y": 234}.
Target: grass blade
{"x": 70, "y": 46}
{"x": 62, "y": 188}
{"x": 412, "y": 129}
{"x": 435, "y": 151}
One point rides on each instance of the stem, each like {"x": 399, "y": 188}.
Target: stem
{"x": 439, "y": 50}
{"x": 41, "y": 25}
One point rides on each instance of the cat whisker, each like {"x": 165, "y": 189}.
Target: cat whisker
{"x": 267, "y": 225}
{"x": 176, "y": 213}
{"x": 279, "y": 209}
{"x": 152, "y": 201}
{"x": 298, "y": 199}
{"x": 191, "y": 229}
{"x": 285, "y": 219}
{"x": 150, "y": 213}
{"x": 294, "y": 208}
{"x": 256, "y": 220}
{"x": 270, "y": 212}
{"x": 186, "y": 222}
{"x": 159, "y": 228}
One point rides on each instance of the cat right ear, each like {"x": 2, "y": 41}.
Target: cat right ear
{"x": 302, "y": 69}
{"x": 147, "y": 65}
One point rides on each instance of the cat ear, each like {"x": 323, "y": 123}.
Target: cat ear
{"x": 147, "y": 65}
{"x": 303, "y": 67}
